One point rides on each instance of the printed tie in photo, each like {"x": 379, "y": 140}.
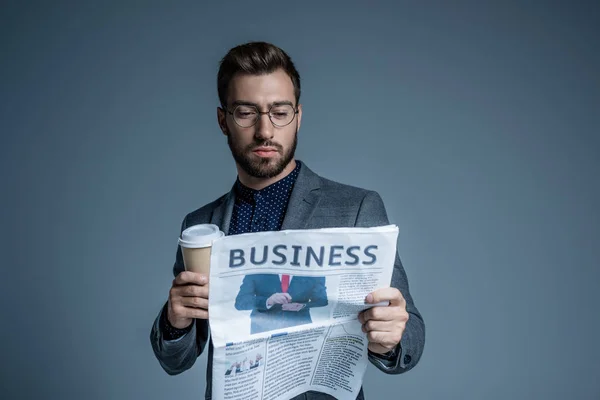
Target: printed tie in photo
{"x": 285, "y": 283}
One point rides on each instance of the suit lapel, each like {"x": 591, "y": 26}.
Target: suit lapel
{"x": 303, "y": 199}
{"x": 221, "y": 216}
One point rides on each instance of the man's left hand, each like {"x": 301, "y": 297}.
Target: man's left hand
{"x": 384, "y": 325}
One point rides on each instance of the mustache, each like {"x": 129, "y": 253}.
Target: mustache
{"x": 267, "y": 143}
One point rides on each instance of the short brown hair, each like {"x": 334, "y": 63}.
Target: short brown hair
{"x": 255, "y": 58}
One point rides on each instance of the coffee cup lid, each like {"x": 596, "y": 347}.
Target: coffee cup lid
{"x": 198, "y": 236}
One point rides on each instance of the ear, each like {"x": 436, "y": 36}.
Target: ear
{"x": 299, "y": 116}
{"x": 222, "y": 120}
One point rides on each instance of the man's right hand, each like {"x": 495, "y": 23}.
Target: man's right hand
{"x": 188, "y": 299}
{"x": 278, "y": 298}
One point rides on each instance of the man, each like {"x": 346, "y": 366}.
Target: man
{"x": 280, "y": 301}
{"x": 260, "y": 113}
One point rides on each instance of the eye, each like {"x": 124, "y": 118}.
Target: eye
{"x": 282, "y": 112}
{"x": 245, "y": 112}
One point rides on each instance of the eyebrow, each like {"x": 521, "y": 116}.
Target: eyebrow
{"x": 249, "y": 103}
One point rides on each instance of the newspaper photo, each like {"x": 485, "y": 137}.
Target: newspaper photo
{"x": 284, "y": 307}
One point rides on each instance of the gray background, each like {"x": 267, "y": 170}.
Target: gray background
{"x": 477, "y": 122}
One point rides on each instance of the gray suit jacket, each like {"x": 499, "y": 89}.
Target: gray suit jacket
{"x": 315, "y": 202}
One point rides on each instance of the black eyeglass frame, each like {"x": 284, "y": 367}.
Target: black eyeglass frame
{"x": 259, "y": 114}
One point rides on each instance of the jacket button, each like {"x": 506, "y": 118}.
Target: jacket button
{"x": 407, "y": 359}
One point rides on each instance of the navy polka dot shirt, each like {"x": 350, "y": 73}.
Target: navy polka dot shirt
{"x": 261, "y": 210}
{"x": 254, "y": 211}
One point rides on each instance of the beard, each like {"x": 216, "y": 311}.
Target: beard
{"x": 262, "y": 167}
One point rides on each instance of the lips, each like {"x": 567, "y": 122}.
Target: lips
{"x": 265, "y": 151}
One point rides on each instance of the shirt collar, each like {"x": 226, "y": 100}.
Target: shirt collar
{"x": 283, "y": 185}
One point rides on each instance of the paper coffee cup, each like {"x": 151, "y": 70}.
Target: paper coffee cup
{"x": 196, "y": 242}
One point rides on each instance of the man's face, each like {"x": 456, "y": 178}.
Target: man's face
{"x": 262, "y": 150}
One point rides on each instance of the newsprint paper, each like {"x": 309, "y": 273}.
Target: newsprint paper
{"x": 284, "y": 306}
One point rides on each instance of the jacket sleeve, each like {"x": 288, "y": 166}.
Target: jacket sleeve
{"x": 179, "y": 355}
{"x": 247, "y": 298}
{"x": 372, "y": 213}
{"x": 318, "y": 295}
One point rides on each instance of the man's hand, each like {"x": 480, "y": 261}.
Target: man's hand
{"x": 278, "y": 298}
{"x": 384, "y": 325}
{"x": 188, "y": 299}
{"x": 293, "y": 306}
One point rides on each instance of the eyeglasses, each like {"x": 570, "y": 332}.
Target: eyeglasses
{"x": 246, "y": 115}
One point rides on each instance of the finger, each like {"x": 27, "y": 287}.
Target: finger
{"x": 361, "y": 316}
{"x": 390, "y": 294}
{"x": 275, "y": 299}
{"x": 379, "y": 349}
{"x": 378, "y": 313}
{"x": 283, "y": 300}
{"x": 195, "y": 302}
{"x": 187, "y": 277}
{"x": 287, "y": 297}
{"x": 189, "y": 312}
{"x": 191, "y": 291}
{"x": 180, "y": 311}
{"x": 280, "y": 298}
{"x": 385, "y": 339}
{"x": 381, "y": 326}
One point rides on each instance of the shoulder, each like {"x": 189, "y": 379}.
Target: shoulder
{"x": 203, "y": 214}
{"x": 329, "y": 188}
{"x": 344, "y": 192}
{"x": 368, "y": 202}
{"x": 366, "y": 205}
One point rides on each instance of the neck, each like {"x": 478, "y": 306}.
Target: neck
{"x": 260, "y": 183}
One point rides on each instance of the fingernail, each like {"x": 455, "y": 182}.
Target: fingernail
{"x": 369, "y": 298}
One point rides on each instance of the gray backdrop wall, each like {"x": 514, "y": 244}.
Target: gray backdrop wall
{"x": 477, "y": 122}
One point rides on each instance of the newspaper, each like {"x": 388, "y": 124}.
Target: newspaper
{"x": 284, "y": 306}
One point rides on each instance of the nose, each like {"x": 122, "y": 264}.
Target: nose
{"x": 264, "y": 127}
